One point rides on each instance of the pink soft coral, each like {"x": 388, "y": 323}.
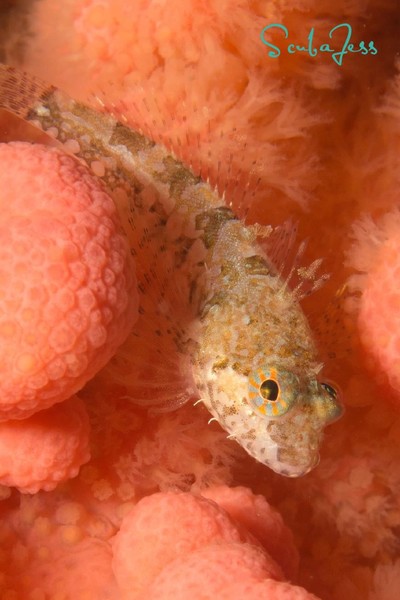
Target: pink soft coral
{"x": 374, "y": 254}
{"x": 92, "y": 43}
{"x": 46, "y": 448}
{"x": 168, "y": 545}
{"x": 223, "y": 571}
{"x": 377, "y": 255}
{"x": 181, "y": 545}
{"x": 161, "y": 528}
{"x": 67, "y": 297}
{"x": 253, "y": 512}
{"x": 157, "y": 57}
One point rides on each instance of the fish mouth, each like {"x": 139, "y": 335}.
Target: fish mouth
{"x": 297, "y": 470}
{"x": 300, "y": 456}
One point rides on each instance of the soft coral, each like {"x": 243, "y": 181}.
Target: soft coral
{"x": 66, "y": 281}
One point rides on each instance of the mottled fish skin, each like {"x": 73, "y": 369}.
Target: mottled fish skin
{"x": 241, "y": 329}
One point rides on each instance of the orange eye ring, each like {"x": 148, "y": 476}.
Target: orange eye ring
{"x": 272, "y": 393}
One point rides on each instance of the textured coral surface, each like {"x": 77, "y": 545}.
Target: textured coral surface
{"x": 38, "y": 452}
{"x": 297, "y": 137}
{"x": 66, "y": 278}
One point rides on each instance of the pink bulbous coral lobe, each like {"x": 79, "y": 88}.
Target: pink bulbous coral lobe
{"x": 258, "y": 517}
{"x": 174, "y": 524}
{"x": 166, "y": 544}
{"x": 67, "y": 284}
{"x": 50, "y": 446}
{"x": 50, "y": 546}
{"x": 233, "y": 572}
{"x": 186, "y": 546}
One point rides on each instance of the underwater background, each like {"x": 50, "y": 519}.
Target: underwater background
{"x": 296, "y": 139}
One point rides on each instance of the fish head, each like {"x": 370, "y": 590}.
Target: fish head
{"x": 275, "y": 414}
{"x": 258, "y": 372}
{"x": 291, "y": 414}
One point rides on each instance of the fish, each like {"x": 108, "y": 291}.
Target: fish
{"x": 218, "y": 323}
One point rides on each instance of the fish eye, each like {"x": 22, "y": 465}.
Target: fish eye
{"x": 333, "y": 404}
{"x": 271, "y": 392}
{"x": 331, "y": 390}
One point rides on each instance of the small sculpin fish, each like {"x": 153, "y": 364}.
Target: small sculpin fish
{"x": 217, "y": 321}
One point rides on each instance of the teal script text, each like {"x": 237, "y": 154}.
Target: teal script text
{"x": 341, "y": 34}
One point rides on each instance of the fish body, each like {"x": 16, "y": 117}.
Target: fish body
{"x": 214, "y": 313}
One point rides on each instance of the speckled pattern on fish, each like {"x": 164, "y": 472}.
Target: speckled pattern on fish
{"x": 214, "y": 299}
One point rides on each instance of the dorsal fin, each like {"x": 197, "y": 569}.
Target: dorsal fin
{"x": 286, "y": 255}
